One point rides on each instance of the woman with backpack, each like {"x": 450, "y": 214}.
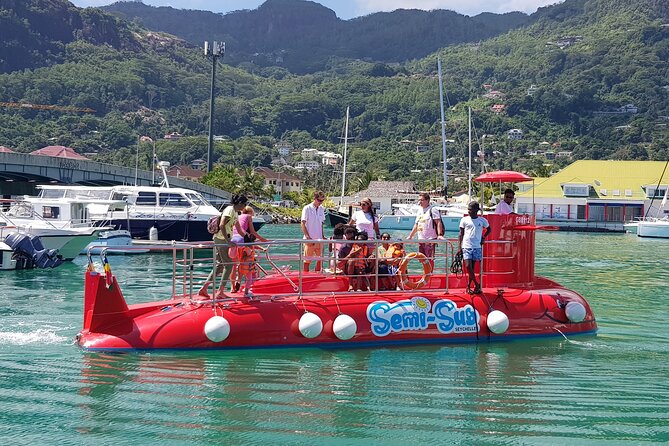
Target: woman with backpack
{"x": 222, "y": 241}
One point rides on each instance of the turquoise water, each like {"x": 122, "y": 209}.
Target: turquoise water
{"x": 610, "y": 388}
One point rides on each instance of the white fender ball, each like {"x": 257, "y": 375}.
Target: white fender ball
{"x": 575, "y": 312}
{"x": 310, "y": 325}
{"x": 497, "y": 321}
{"x": 344, "y": 327}
{"x": 217, "y": 329}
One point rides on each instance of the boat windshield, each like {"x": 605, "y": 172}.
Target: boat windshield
{"x": 77, "y": 192}
{"x": 52, "y": 193}
{"x": 197, "y": 200}
{"x": 172, "y": 199}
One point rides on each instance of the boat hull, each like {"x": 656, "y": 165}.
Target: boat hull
{"x": 654, "y": 229}
{"x": 403, "y": 317}
{"x": 333, "y": 218}
{"x": 406, "y": 222}
{"x": 180, "y": 230}
{"x": 68, "y": 245}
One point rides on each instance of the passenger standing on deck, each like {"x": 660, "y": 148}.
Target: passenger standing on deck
{"x": 312, "y": 220}
{"x": 471, "y": 243}
{"x": 223, "y": 240}
{"x": 366, "y": 220}
{"x": 505, "y": 207}
{"x": 428, "y": 226}
{"x": 244, "y": 226}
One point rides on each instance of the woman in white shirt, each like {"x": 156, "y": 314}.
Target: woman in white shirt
{"x": 366, "y": 220}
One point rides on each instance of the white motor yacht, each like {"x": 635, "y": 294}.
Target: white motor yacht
{"x": 149, "y": 212}
{"x": 63, "y": 224}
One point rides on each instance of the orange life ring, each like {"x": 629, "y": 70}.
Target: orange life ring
{"x": 404, "y": 277}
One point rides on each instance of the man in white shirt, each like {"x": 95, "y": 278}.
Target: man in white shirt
{"x": 311, "y": 222}
{"x": 505, "y": 207}
{"x": 471, "y": 243}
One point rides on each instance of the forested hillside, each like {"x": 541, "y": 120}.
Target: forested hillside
{"x": 303, "y": 36}
{"x": 564, "y": 81}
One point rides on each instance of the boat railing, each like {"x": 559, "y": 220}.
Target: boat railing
{"x": 284, "y": 261}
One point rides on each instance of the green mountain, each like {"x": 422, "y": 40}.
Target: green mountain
{"x": 302, "y": 36}
{"x": 35, "y": 34}
{"x": 581, "y": 60}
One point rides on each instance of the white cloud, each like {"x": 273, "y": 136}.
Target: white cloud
{"x": 472, "y": 7}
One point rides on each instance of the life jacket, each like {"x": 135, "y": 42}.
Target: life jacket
{"x": 247, "y": 260}
{"x": 396, "y": 252}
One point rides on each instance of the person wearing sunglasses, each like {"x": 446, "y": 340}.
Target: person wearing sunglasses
{"x": 366, "y": 220}
{"x": 313, "y": 217}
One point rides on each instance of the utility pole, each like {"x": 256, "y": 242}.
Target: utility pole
{"x": 216, "y": 50}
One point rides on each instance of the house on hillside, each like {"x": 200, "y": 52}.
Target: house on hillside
{"x": 514, "y": 134}
{"x": 329, "y": 158}
{"x": 494, "y": 94}
{"x": 185, "y": 172}
{"x": 589, "y": 191}
{"x": 498, "y": 108}
{"x": 282, "y": 182}
{"x": 532, "y": 90}
{"x": 284, "y": 148}
{"x": 307, "y": 164}
{"x": 308, "y": 154}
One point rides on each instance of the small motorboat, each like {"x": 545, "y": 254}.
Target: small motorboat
{"x": 118, "y": 241}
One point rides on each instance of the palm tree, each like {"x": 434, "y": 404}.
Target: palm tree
{"x": 362, "y": 182}
{"x": 252, "y": 183}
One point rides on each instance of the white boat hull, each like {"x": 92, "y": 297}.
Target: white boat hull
{"x": 406, "y": 222}
{"x": 115, "y": 242}
{"x": 68, "y": 245}
{"x": 655, "y": 229}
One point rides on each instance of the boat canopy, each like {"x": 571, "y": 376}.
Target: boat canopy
{"x": 503, "y": 176}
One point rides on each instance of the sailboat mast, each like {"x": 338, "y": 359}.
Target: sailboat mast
{"x": 443, "y": 128}
{"x": 343, "y": 174}
{"x": 469, "y": 183}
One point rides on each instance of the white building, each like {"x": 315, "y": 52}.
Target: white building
{"x": 307, "y": 164}
{"x": 309, "y": 154}
{"x": 515, "y": 134}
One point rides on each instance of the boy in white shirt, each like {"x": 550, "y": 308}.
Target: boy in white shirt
{"x": 471, "y": 240}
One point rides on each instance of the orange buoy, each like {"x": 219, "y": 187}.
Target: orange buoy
{"x": 404, "y": 277}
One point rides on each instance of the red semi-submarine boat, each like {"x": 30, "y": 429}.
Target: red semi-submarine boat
{"x": 318, "y": 309}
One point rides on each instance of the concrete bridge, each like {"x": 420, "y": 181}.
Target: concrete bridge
{"x": 21, "y": 172}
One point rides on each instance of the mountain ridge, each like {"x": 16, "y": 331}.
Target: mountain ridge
{"x": 301, "y": 35}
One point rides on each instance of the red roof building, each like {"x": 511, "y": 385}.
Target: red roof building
{"x": 185, "y": 172}
{"x": 4, "y": 149}
{"x": 60, "y": 152}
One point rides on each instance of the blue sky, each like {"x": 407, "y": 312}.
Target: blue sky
{"x": 347, "y": 9}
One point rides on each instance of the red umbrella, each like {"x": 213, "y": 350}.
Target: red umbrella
{"x": 503, "y": 176}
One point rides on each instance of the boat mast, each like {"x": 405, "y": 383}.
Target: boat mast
{"x": 469, "y": 183}
{"x": 343, "y": 174}
{"x": 443, "y": 128}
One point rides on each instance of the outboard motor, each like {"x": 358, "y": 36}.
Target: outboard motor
{"x": 30, "y": 253}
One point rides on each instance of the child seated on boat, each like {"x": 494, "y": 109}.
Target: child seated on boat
{"x": 247, "y": 262}
{"x": 345, "y": 248}
{"x": 394, "y": 255}
{"x": 357, "y": 265}
{"x": 338, "y": 234}
{"x": 386, "y": 281}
